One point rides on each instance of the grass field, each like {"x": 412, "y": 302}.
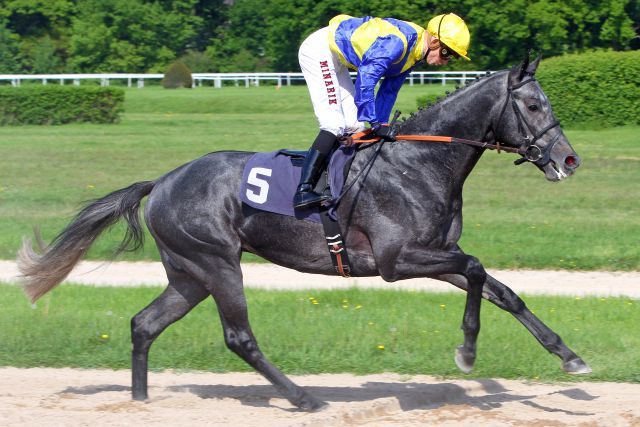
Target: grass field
{"x": 322, "y": 332}
{"x": 514, "y": 217}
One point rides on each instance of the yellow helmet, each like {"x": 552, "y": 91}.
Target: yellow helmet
{"x": 451, "y": 30}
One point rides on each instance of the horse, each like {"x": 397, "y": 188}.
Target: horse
{"x": 402, "y": 219}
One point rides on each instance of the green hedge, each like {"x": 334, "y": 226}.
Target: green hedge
{"x": 597, "y": 89}
{"x": 54, "y": 105}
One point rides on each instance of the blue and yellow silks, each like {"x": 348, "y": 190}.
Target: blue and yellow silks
{"x": 376, "y": 47}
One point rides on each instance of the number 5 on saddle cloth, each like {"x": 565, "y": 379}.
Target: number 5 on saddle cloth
{"x": 269, "y": 183}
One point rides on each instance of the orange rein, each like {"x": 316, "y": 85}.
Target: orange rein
{"x": 357, "y": 138}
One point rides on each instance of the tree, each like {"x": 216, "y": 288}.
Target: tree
{"x": 45, "y": 59}
{"x": 617, "y": 30}
{"x": 42, "y": 27}
{"x": 9, "y": 50}
{"x": 129, "y": 36}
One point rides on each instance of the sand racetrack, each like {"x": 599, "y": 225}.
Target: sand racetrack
{"x": 72, "y": 397}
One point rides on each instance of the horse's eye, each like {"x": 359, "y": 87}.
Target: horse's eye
{"x": 533, "y": 107}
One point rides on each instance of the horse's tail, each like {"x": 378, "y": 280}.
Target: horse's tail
{"x": 42, "y": 272}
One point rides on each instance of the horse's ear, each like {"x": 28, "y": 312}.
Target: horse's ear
{"x": 524, "y": 65}
{"x": 532, "y": 67}
{"x": 526, "y": 68}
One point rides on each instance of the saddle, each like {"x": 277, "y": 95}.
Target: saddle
{"x": 269, "y": 183}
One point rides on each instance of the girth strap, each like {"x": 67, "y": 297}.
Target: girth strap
{"x": 333, "y": 235}
{"x": 335, "y": 243}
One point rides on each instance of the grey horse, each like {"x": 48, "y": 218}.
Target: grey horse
{"x": 402, "y": 219}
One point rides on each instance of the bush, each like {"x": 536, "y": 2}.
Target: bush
{"x": 427, "y": 100}
{"x": 55, "y": 105}
{"x": 594, "y": 89}
{"x": 177, "y": 75}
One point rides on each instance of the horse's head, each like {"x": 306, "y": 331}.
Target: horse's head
{"x": 526, "y": 121}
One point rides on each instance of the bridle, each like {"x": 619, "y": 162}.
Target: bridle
{"x": 531, "y": 152}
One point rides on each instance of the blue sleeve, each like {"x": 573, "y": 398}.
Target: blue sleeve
{"x": 375, "y": 62}
{"x": 387, "y": 94}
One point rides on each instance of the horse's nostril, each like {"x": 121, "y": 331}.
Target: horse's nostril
{"x": 571, "y": 161}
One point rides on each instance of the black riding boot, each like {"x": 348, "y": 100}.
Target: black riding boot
{"x": 311, "y": 169}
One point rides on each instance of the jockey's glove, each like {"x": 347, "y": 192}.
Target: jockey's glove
{"x": 384, "y": 131}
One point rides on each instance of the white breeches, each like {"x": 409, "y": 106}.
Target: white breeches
{"x": 329, "y": 84}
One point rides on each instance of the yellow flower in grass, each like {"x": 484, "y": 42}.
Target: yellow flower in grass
{"x": 380, "y": 347}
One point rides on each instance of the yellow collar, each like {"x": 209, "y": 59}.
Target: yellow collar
{"x": 418, "y": 50}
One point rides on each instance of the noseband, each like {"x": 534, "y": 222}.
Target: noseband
{"x": 532, "y": 152}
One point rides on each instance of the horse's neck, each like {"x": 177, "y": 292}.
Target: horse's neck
{"x": 467, "y": 113}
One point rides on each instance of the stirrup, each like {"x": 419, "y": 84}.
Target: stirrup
{"x": 306, "y": 199}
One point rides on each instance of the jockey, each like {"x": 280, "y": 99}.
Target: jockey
{"x": 375, "y": 48}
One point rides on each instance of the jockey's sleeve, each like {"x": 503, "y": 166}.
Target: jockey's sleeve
{"x": 375, "y": 62}
{"x": 387, "y": 94}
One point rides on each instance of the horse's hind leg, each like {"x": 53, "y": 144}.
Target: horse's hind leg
{"x": 232, "y": 307}
{"x": 503, "y": 297}
{"x": 182, "y": 294}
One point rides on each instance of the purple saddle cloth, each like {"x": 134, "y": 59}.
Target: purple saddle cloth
{"x": 270, "y": 180}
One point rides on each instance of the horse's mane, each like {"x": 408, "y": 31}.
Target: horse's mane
{"x": 432, "y": 107}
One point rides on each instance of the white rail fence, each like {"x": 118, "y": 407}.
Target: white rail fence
{"x": 246, "y": 79}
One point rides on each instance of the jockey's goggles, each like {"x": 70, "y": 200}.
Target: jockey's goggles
{"x": 447, "y": 53}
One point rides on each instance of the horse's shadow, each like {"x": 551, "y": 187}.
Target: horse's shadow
{"x": 410, "y": 395}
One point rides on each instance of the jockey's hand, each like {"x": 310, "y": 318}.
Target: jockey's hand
{"x": 384, "y": 131}
{"x": 346, "y": 140}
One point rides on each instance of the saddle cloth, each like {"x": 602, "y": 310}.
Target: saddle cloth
{"x": 270, "y": 180}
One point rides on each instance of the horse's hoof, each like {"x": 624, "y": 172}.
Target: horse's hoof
{"x": 576, "y": 367}
{"x": 464, "y": 360}
{"x": 311, "y": 404}
{"x": 140, "y": 397}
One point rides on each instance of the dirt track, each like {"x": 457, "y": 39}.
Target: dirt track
{"x": 57, "y": 397}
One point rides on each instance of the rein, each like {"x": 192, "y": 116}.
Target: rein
{"x": 361, "y": 138}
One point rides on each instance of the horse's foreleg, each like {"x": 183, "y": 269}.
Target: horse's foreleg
{"x": 417, "y": 262}
{"x": 503, "y": 297}
{"x": 173, "y": 304}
